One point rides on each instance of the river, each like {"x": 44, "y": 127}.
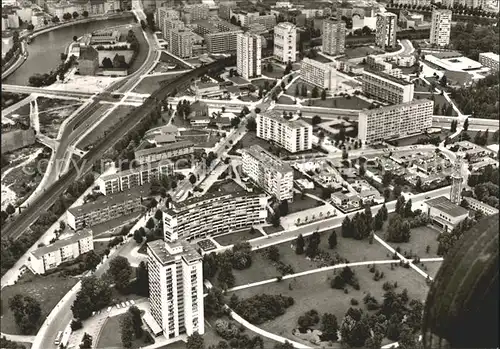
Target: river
{"x": 45, "y": 50}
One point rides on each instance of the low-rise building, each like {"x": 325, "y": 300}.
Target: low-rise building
{"x": 387, "y": 88}
{"x": 319, "y": 74}
{"x": 49, "y": 257}
{"x": 444, "y": 213}
{"x": 490, "y": 60}
{"x": 292, "y": 135}
{"x": 378, "y": 64}
{"x": 213, "y": 214}
{"x": 106, "y": 208}
{"x": 171, "y": 151}
{"x": 135, "y": 177}
{"x": 395, "y": 121}
{"x": 269, "y": 172}
{"x": 405, "y": 60}
{"x": 482, "y": 207}
{"x": 346, "y": 201}
{"x": 105, "y": 37}
{"x": 88, "y": 62}
{"x": 207, "y": 89}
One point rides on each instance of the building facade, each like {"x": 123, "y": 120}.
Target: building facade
{"x": 489, "y": 59}
{"x": 249, "y": 55}
{"x": 440, "y": 27}
{"x": 480, "y": 206}
{"x": 174, "y": 150}
{"x": 378, "y": 64}
{"x": 319, "y": 74}
{"x": 213, "y": 214}
{"x": 292, "y": 135}
{"x": 387, "y": 88}
{"x": 395, "y": 121}
{"x": 444, "y": 213}
{"x": 88, "y": 62}
{"x": 385, "y": 32}
{"x": 106, "y": 208}
{"x": 333, "y": 37}
{"x": 125, "y": 180}
{"x": 195, "y": 12}
{"x": 175, "y": 275}
{"x": 269, "y": 172}
{"x": 51, "y": 256}
{"x": 285, "y": 42}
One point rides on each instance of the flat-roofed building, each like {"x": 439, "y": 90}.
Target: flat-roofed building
{"x": 170, "y": 151}
{"x": 249, "y": 55}
{"x": 106, "y": 208}
{"x": 220, "y": 36}
{"x": 395, "y": 121}
{"x": 333, "y": 37}
{"x": 269, "y": 172}
{"x": 181, "y": 43}
{"x": 175, "y": 276}
{"x": 105, "y": 37}
{"x": 490, "y": 60}
{"x": 385, "y": 33}
{"x": 213, "y": 214}
{"x": 195, "y": 12}
{"x": 386, "y": 87}
{"x": 440, "y": 27}
{"x": 444, "y": 213}
{"x": 51, "y": 256}
{"x": 378, "y": 64}
{"x": 135, "y": 177}
{"x": 285, "y": 42}
{"x": 164, "y": 13}
{"x": 292, "y": 135}
{"x": 480, "y": 206}
{"x": 319, "y": 74}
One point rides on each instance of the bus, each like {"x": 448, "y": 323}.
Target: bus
{"x": 58, "y": 338}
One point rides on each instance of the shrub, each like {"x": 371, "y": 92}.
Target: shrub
{"x": 354, "y": 301}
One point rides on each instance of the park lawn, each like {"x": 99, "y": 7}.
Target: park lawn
{"x": 277, "y": 72}
{"x": 341, "y": 103}
{"x": 361, "y": 51}
{"x": 300, "y": 204}
{"x": 110, "y": 337}
{"x": 152, "y": 83}
{"x": 238, "y": 236}
{"x": 272, "y": 229}
{"x": 314, "y": 292}
{"x": 47, "y": 290}
{"x": 431, "y": 268}
{"x": 420, "y": 238}
{"x": 286, "y": 100}
{"x": 261, "y": 82}
{"x": 291, "y": 90}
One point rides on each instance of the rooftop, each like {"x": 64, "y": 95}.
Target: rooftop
{"x": 277, "y": 116}
{"x": 267, "y": 159}
{"x": 165, "y": 148}
{"x": 40, "y": 252}
{"x": 444, "y": 204}
{"x": 165, "y": 138}
{"x": 109, "y": 200}
{"x": 490, "y": 55}
{"x": 399, "y": 107}
{"x": 163, "y": 251}
{"x": 388, "y": 77}
{"x": 130, "y": 171}
{"x": 88, "y": 53}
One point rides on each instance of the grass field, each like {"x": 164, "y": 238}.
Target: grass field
{"x": 421, "y": 237}
{"x": 341, "y": 103}
{"x": 286, "y": 100}
{"x": 48, "y": 291}
{"x": 291, "y": 90}
{"x": 109, "y": 336}
{"x": 153, "y": 83}
{"x": 300, "y": 204}
{"x": 361, "y": 51}
{"x": 239, "y": 236}
{"x": 314, "y": 292}
{"x": 275, "y": 74}
{"x": 431, "y": 268}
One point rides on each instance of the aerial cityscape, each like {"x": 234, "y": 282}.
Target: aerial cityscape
{"x": 253, "y": 174}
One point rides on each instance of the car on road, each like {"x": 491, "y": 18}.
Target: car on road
{"x": 427, "y": 197}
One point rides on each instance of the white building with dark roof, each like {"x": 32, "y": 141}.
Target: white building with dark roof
{"x": 444, "y": 213}
{"x": 49, "y": 257}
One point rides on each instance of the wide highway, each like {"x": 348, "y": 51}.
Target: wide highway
{"x": 50, "y": 195}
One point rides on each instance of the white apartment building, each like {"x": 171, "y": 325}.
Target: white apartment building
{"x": 333, "y": 37}
{"x": 49, "y": 257}
{"x": 164, "y": 13}
{"x": 293, "y": 135}
{"x": 134, "y": 177}
{"x": 480, "y": 206}
{"x": 249, "y": 55}
{"x": 269, "y": 172}
{"x": 213, "y": 214}
{"x": 319, "y": 74}
{"x": 385, "y": 32}
{"x": 378, "y": 64}
{"x": 285, "y": 42}
{"x": 174, "y": 150}
{"x": 440, "y": 27}
{"x": 175, "y": 289}
{"x": 386, "y": 87}
{"x": 395, "y": 121}
{"x": 490, "y": 60}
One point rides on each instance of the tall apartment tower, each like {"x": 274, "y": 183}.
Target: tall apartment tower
{"x": 249, "y": 55}
{"x": 333, "y": 37}
{"x": 385, "y": 34}
{"x": 285, "y": 42}
{"x": 175, "y": 288}
{"x": 440, "y": 27}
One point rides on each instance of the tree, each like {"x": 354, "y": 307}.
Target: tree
{"x": 286, "y": 345}
{"x": 323, "y": 94}
{"x": 385, "y": 213}
{"x": 400, "y": 206}
{"x": 94, "y": 295}
{"x": 313, "y": 244}
{"x": 159, "y": 214}
{"x": 135, "y": 315}
{"x": 27, "y": 312}
{"x": 127, "y": 331}
{"x": 332, "y": 240}
{"x": 379, "y": 221}
{"x": 453, "y": 127}
{"x": 347, "y": 227}
{"x": 142, "y": 280}
{"x": 85, "y": 14}
{"x": 192, "y": 179}
{"x": 269, "y": 68}
{"x": 397, "y": 190}
{"x": 138, "y": 236}
{"x": 466, "y": 125}
{"x": 107, "y": 63}
{"x": 75, "y": 15}
{"x": 195, "y": 341}
{"x": 299, "y": 244}
{"x": 316, "y": 120}
{"x": 297, "y": 92}
{"x": 120, "y": 272}
{"x": 315, "y": 92}
{"x": 345, "y": 154}
{"x": 329, "y": 327}
{"x": 86, "y": 341}
{"x": 408, "y": 213}
{"x": 10, "y": 209}
{"x": 283, "y": 208}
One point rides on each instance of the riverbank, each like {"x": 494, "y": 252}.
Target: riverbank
{"x": 21, "y": 57}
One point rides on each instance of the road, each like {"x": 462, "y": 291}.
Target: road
{"x": 46, "y": 91}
